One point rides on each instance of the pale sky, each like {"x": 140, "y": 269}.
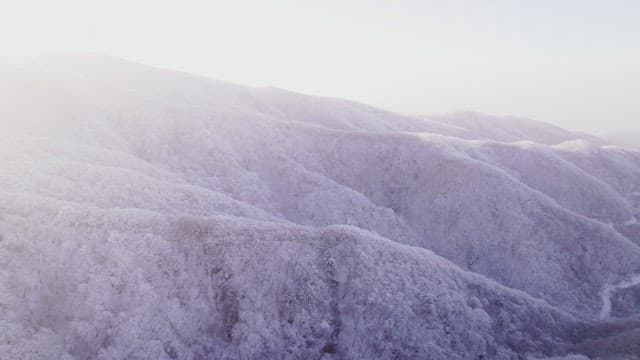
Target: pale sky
{"x": 572, "y": 63}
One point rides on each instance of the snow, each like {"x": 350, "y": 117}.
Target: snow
{"x": 609, "y": 289}
{"x": 153, "y": 214}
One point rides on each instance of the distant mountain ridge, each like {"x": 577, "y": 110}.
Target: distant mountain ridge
{"x": 629, "y": 139}
{"x": 510, "y": 128}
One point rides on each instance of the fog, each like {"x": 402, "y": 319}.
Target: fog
{"x": 570, "y": 63}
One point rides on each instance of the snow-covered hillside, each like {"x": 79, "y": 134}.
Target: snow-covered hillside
{"x": 154, "y": 214}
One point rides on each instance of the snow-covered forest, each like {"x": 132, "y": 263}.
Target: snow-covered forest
{"x": 152, "y": 214}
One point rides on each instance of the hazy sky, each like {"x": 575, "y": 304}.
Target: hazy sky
{"x": 572, "y": 63}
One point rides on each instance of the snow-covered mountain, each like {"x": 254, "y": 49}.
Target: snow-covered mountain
{"x": 155, "y": 214}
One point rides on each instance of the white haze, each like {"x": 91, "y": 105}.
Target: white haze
{"x": 571, "y": 63}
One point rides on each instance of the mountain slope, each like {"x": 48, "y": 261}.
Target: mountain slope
{"x": 149, "y": 213}
{"x": 129, "y": 283}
